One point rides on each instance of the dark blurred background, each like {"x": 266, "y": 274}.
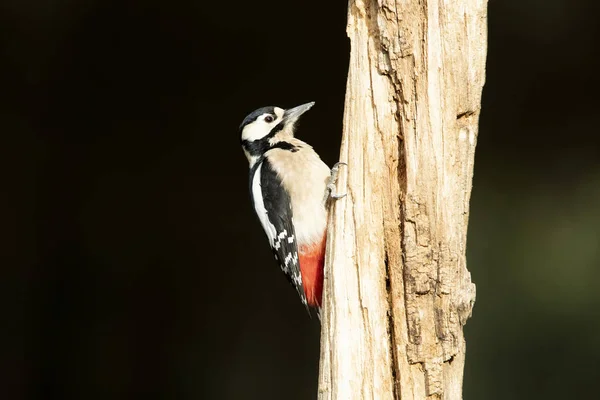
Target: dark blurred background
{"x": 132, "y": 265}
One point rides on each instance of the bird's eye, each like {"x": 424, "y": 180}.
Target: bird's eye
{"x": 268, "y": 119}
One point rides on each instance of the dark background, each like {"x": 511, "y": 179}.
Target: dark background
{"x": 132, "y": 265}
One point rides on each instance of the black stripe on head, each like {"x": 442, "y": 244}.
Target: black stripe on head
{"x": 257, "y": 113}
{"x": 259, "y": 147}
{"x": 256, "y": 147}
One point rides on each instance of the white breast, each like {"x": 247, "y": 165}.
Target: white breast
{"x": 304, "y": 175}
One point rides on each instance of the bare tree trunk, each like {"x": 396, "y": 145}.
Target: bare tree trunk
{"x": 397, "y": 290}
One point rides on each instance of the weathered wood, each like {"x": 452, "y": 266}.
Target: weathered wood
{"x": 397, "y": 290}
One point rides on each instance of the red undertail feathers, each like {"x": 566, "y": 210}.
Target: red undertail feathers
{"x": 312, "y": 259}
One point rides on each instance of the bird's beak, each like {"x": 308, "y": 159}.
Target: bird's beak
{"x": 291, "y": 115}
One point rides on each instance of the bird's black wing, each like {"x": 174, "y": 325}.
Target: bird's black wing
{"x": 274, "y": 209}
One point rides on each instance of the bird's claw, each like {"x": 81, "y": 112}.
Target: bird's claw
{"x": 330, "y": 192}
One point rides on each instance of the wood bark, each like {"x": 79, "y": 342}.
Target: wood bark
{"x": 397, "y": 290}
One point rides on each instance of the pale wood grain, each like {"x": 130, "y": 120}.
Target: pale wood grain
{"x": 397, "y": 290}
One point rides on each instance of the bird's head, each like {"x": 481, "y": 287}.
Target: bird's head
{"x": 268, "y": 125}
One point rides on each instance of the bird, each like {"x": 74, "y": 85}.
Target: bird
{"x": 290, "y": 188}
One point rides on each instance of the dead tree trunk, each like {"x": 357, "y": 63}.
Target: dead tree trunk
{"x": 397, "y": 290}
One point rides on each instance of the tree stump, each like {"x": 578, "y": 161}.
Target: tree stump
{"x": 397, "y": 290}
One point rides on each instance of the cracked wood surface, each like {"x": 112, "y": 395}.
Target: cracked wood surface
{"x": 397, "y": 290}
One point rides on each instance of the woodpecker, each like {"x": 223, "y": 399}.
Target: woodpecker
{"x": 289, "y": 187}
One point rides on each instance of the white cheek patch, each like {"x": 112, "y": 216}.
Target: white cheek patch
{"x": 255, "y": 131}
{"x": 260, "y": 128}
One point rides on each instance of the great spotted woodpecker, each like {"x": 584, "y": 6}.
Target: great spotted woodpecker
{"x": 289, "y": 188}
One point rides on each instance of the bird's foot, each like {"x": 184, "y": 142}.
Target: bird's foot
{"x": 330, "y": 191}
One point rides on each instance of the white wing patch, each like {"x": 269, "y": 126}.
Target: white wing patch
{"x": 259, "y": 206}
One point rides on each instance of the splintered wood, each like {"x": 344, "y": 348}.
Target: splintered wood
{"x": 397, "y": 290}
